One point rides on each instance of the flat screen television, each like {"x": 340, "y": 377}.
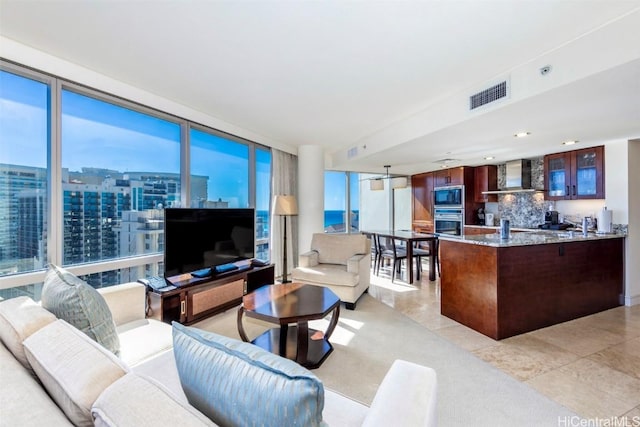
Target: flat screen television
{"x": 198, "y": 238}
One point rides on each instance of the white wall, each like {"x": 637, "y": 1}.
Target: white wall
{"x": 632, "y": 249}
{"x": 402, "y": 208}
{"x": 374, "y": 206}
{"x": 622, "y": 180}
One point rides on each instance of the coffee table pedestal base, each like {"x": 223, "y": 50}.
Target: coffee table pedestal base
{"x": 316, "y": 350}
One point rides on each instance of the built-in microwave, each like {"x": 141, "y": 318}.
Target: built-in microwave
{"x": 449, "y": 222}
{"x": 449, "y": 197}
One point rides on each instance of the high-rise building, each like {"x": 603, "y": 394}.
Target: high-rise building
{"x": 22, "y": 217}
{"x": 106, "y": 214}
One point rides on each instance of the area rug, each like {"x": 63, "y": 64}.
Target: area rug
{"x": 367, "y": 340}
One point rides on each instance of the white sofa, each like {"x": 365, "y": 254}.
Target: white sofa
{"x": 148, "y": 391}
{"x": 340, "y": 262}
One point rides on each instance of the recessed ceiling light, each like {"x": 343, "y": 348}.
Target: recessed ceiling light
{"x": 569, "y": 142}
{"x": 489, "y": 158}
{"x": 443, "y": 166}
{"x": 522, "y": 134}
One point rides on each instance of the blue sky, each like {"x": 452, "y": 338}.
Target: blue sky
{"x": 102, "y": 135}
{"x": 335, "y": 189}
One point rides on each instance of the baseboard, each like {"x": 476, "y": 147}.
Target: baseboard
{"x": 629, "y": 300}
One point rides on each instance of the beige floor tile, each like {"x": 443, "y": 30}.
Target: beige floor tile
{"x": 525, "y": 357}
{"x": 590, "y": 389}
{"x": 633, "y": 416}
{"x": 578, "y": 338}
{"x": 619, "y": 321}
{"x": 624, "y": 357}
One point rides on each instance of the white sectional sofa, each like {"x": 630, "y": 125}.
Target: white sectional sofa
{"x": 142, "y": 386}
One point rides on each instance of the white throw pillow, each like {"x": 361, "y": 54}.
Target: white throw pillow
{"x": 73, "y": 368}
{"x": 19, "y": 318}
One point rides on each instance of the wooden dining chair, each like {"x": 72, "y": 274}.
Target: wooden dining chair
{"x": 420, "y": 252}
{"x": 388, "y": 249}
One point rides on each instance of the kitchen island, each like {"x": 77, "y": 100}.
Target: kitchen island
{"x": 505, "y": 287}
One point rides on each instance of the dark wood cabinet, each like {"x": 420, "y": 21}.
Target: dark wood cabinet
{"x": 485, "y": 179}
{"x": 423, "y": 185}
{"x": 450, "y": 176}
{"x": 197, "y": 298}
{"x": 577, "y": 174}
{"x": 422, "y": 201}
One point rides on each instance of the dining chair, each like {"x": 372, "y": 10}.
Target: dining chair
{"x": 419, "y": 253}
{"x": 388, "y": 249}
{"x": 374, "y": 248}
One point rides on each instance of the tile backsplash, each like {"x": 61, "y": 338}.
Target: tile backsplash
{"x": 524, "y": 210}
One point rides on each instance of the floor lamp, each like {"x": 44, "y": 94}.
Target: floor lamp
{"x": 285, "y": 206}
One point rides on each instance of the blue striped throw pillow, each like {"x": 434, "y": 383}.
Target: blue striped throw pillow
{"x": 236, "y": 383}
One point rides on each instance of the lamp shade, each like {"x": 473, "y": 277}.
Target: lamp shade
{"x": 399, "y": 182}
{"x": 376, "y": 184}
{"x": 285, "y": 205}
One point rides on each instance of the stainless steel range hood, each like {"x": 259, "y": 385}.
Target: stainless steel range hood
{"x": 518, "y": 178}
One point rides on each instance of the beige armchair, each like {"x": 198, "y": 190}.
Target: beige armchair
{"x": 341, "y": 262}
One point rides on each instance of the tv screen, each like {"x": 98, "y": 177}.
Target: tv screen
{"x": 203, "y": 238}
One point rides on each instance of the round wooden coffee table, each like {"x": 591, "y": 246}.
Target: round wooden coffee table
{"x": 292, "y": 303}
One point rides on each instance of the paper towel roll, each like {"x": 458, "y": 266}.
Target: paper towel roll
{"x": 604, "y": 221}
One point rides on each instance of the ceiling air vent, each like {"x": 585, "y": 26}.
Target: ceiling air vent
{"x": 488, "y": 95}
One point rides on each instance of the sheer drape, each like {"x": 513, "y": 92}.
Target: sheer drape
{"x": 285, "y": 172}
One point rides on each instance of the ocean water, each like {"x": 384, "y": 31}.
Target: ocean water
{"x": 337, "y": 217}
{"x": 330, "y": 218}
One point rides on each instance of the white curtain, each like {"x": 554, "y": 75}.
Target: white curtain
{"x": 284, "y": 181}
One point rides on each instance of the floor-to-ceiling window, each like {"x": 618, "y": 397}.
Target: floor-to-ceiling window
{"x": 120, "y": 168}
{"x": 24, "y": 135}
{"x": 85, "y": 177}
{"x": 341, "y": 202}
{"x": 263, "y": 201}
{"x": 219, "y": 171}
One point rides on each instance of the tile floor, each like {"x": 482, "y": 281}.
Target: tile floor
{"x": 590, "y": 365}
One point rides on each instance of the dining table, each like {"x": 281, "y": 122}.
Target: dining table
{"x": 411, "y": 237}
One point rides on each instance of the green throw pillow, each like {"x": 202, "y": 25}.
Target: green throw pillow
{"x": 73, "y": 300}
{"x": 237, "y": 383}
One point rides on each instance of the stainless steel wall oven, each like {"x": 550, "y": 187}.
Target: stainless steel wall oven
{"x": 449, "y": 221}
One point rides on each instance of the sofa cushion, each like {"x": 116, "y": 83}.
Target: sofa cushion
{"x": 73, "y": 368}
{"x": 338, "y": 248}
{"x": 19, "y": 318}
{"x": 73, "y": 300}
{"x": 138, "y": 401}
{"x": 327, "y": 274}
{"x": 23, "y": 401}
{"x": 143, "y": 339}
{"x": 237, "y": 383}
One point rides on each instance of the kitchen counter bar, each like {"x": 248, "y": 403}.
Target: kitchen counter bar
{"x": 532, "y": 280}
{"x": 525, "y": 237}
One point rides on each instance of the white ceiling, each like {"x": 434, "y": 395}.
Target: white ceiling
{"x": 339, "y": 74}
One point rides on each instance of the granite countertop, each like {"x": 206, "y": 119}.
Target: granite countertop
{"x": 529, "y": 237}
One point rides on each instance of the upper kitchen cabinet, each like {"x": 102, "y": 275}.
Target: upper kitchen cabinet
{"x": 577, "y": 174}
{"x": 422, "y": 202}
{"x": 450, "y": 176}
{"x": 485, "y": 179}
